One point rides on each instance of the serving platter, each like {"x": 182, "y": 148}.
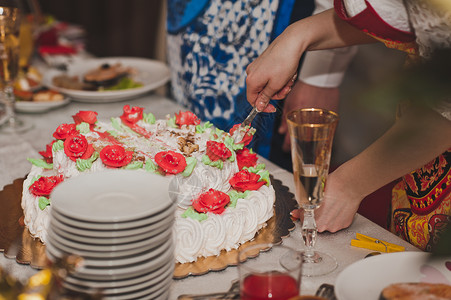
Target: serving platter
{"x": 151, "y": 73}
{"x": 17, "y": 243}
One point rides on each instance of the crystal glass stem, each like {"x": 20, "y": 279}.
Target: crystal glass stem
{"x": 309, "y": 232}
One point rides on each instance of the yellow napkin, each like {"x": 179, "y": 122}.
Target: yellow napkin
{"x": 367, "y": 242}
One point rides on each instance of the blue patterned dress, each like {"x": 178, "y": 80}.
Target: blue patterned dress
{"x": 210, "y": 44}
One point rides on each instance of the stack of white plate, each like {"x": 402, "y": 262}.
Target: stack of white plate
{"x": 120, "y": 223}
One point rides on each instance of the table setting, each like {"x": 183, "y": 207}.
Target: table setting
{"x": 100, "y": 246}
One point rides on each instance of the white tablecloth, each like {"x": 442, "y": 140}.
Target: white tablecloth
{"x": 16, "y": 148}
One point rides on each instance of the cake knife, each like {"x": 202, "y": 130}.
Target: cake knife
{"x": 250, "y": 117}
{"x": 240, "y": 133}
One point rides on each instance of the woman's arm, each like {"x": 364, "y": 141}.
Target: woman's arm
{"x": 271, "y": 75}
{"x": 419, "y": 136}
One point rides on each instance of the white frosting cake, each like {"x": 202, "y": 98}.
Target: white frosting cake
{"x": 224, "y": 196}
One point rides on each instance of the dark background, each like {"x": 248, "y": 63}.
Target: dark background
{"x": 113, "y": 27}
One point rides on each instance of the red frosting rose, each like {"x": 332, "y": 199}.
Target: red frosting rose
{"x": 211, "y": 201}
{"x": 132, "y": 115}
{"x": 245, "y": 181}
{"x": 170, "y": 162}
{"x": 77, "y": 146}
{"x": 47, "y": 154}
{"x": 115, "y": 156}
{"x": 186, "y": 118}
{"x": 86, "y": 116}
{"x": 217, "y": 151}
{"x": 247, "y": 138}
{"x": 245, "y": 158}
{"x": 44, "y": 185}
{"x": 64, "y": 130}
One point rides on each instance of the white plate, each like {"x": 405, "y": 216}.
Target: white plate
{"x": 127, "y": 272}
{"x": 366, "y": 278}
{"x": 158, "y": 217}
{"x": 145, "y": 230}
{"x": 151, "y": 73}
{"x": 87, "y": 249}
{"x": 107, "y": 262}
{"x": 112, "y": 196}
{"x": 39, "y": 107}
{"x": 146, "y": 289}
{"x": 147, "y": 281}
{"x": 105, "y": 240}
{"x": 102, "y": 284}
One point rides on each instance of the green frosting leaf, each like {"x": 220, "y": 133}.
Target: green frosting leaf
{"x": 255, "y": 169}
{"x": 260, "y": 170}
{"x": 230, "y": 143}
{"x": 134, "y": 165}
{"x": 117, "y": 124}
{"x": 264, "y": 175}
{"x": 171, "y": 122}
{"x": 149, "y": 118}
{"x": 190, "y": 164}
{"x": 34, "y": 179}
{"x": 216, "y": 135}
{"x": 40, "y": 163}
{"x": 83, "y": 127}
{"x": 150, "y": 166}
{"x": 86, "y": 164}
{"x": 191, "y": 213}
{"x": 58, "y": 145}
{"x": 217, "y": 164}
{"x": 235, "y": 195}
{"x": 113, "y": 133}
{"x": 202, "y": 128}
{"x": 43, "y": 202}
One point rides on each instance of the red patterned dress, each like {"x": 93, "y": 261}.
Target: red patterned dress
{"x": 421, "y": 201}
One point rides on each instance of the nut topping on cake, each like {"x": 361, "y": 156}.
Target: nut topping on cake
{"x": 187, "y": 145}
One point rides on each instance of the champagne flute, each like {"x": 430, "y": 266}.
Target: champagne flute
{"x": 311, "y": 134}
{"x": 9, "y": 64}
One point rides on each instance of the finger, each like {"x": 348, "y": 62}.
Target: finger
{"x": 263, "y": 100}
{"x": 254, "y": 86}
{"x": 282, "y": 93}
{"x": 296, "y": 213}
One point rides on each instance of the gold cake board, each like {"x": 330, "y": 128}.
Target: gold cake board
{"x": 17, "y": 243}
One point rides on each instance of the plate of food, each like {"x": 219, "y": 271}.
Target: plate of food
{"x": 32, "y": 97}
{"x": 108, "y": 79}
{"x": 40, "y": 101}
{"x": 394, "y": 274}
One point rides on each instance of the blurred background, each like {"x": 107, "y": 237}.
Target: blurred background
{"x": 137, "y": 28}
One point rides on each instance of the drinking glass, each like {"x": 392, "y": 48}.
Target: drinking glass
{"x": 9, "y": 64}
{"x": 311, "y": 134}
{"x": 275, "y": 274}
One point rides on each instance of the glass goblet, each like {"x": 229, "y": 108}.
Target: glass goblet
{"x": 311, "y": 135}
{"x": 9, "y": 64}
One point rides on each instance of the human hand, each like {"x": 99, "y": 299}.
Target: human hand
{"x": 273, "y": 73}
{"x": 338, "y": 208}
{"x": 304, "y": 95}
